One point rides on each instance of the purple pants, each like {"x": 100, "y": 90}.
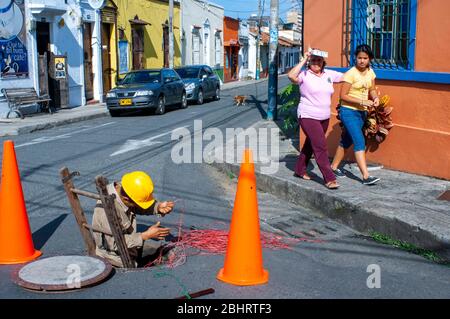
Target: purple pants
{"x": 315, "y": 143}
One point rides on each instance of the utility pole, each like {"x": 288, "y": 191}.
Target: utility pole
{"x": 273, "y": 60}
{"x": 258, "y": 37}
{"x": 170, "y": 33}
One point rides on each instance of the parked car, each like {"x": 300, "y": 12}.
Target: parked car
{"x": 147, "y": 89}
{"x": 200, "y": 82}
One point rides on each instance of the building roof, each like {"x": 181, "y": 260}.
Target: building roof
{"x": 265, "y": 38}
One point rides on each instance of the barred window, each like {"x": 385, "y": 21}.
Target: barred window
{"x": 386, "y": 26}
{"x": 195, "y": 47}
{"x": 218, "y": 49}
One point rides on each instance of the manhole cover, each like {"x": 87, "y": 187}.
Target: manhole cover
{"x": 63, "y": 273}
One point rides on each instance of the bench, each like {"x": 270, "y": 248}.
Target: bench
{"x": 17, "y": 97}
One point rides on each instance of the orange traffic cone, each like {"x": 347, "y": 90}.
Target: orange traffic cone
{"x": 16, "y": 244}
{"x": 243, "y": 260}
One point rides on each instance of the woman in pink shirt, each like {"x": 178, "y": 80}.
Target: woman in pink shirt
{"x": 313, "y": 112}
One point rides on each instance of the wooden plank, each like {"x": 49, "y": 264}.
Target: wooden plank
{"x": 113, "y": 219}
{"x": 77, "y": 211}
{"x": 85, "y": 193}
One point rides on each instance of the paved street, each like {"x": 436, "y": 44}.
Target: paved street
{"x": 335, "y": 267}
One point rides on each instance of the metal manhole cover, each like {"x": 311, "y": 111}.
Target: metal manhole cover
{"x": 63, "y": 273}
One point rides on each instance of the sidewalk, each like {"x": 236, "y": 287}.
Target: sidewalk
{"x": 42, "y": 121}
{"x": 403, "y": 206}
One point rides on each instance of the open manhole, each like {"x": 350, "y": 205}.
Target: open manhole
{"x": 62, "y": 273}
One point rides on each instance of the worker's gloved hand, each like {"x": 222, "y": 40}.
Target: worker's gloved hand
{"x": 165, "y": 208}
{"x": 155, "y": 232}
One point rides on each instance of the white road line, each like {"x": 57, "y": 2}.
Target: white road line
{"x": 131, "y": 145}
{"x": 59, "y": 137}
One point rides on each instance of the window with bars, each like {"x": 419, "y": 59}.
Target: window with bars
{"x": 388, "y": 27}
{"x": 218, "y": 48}
{"x": 195, "y": 47}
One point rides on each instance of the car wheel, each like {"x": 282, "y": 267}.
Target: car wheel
{"x": 217, "y": 95}
{"x": 161, "y": 108}
{"x": 200, "y": 97}
{"x": 114, "y": 113}
{"x": 184, "y": 103}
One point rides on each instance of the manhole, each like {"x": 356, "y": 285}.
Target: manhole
{"x": 62, "y": 273}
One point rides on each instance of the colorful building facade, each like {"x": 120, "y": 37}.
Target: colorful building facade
{"x": 407, "y": 37}
{"x": 202, "y": 34}
{"x": 231, "y": 49}
{"x": 143, "y": 34}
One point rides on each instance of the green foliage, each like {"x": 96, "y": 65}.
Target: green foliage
{"x": 231, "y": 175}
{"x": 428, "y": 254}
{"x": 289, "y": 99}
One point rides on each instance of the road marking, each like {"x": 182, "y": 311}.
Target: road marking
{"x": 131, "y": 145}
{"x": 60, "y": 137}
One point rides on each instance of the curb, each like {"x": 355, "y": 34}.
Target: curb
{"x": 53, "y": 123}
{"x": 353, "y": 215}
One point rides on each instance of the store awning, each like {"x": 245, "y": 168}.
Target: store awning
{"x": 52, "y": 9}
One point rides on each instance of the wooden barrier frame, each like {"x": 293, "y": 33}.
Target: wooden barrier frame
{"x": 110, "y": 210}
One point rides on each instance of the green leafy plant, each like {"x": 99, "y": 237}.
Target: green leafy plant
{"x": 428, "y": 254}
{"x": 289, "y": 99}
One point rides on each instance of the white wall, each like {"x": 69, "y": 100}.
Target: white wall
{"x": 69, "y": 40}
{"x": 30, "y": 81}
{"x": 64, "y": 39}
{"x": 194, "y": 12}
{"x": 243, "y": 50}
{"x": 252, "y": 56}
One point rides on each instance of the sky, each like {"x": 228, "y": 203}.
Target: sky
{"x": 244, "y": 8}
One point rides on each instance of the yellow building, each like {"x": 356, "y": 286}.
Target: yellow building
{"x": 135, "y": 35}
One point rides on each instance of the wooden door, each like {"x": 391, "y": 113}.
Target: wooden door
{"x": 166, "y": 46}
{"x": 235, "y": 62}
{"x": 137, "y": 34}
{"x": 88, "y": 72}
{"x": 43, "y": 74}
{"x": 106, "y": 57}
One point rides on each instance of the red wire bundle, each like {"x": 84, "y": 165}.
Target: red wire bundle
{"x": 214, "y": 241}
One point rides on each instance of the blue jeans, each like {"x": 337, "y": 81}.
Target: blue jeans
{"x": 353, "y": 122}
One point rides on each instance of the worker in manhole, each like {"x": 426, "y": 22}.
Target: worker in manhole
{"x": 133, "y": 196}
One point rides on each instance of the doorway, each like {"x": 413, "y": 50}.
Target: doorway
{"x": 137, "y": 33}
{"x": 106, "y": 57}
{"x": 166, "y": 45}
{"x": 43, "y": 50}
{"x": 88, "y": 71}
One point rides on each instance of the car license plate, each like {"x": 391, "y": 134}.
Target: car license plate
{"x": 123, "y": 102}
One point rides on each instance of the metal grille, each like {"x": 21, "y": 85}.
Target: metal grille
{"x": 126, "y": 94}
{"x": 385, "y": 26}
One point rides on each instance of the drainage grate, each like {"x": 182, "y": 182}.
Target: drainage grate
{"x": 445, "y": 196}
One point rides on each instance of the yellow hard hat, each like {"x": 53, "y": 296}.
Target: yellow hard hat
{"x": 139, "y": 186}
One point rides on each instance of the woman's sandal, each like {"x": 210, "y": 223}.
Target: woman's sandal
{"x": 332, "y": 185}
{"x": 305, "y": 176}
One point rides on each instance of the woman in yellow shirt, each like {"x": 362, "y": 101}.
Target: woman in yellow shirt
{"x": 359, "y": 85}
